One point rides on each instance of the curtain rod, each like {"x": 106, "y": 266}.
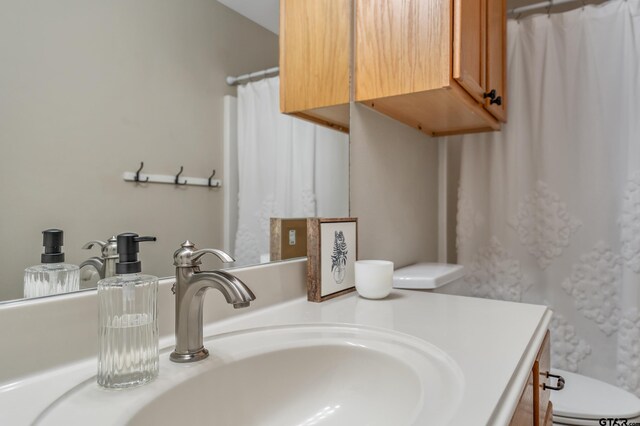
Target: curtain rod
{"x": 541, "y": 5}
{"x": 244, "y": 78}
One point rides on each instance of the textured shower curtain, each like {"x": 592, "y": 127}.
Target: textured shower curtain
{"x": 549, "y": 208}
{"x": 287, "y": 167}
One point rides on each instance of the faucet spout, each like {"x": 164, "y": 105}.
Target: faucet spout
{"x": 190, "y": 288}
{"x": 234, "y": 291}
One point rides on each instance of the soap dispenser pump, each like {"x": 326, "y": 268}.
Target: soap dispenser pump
{"x": 128, "y": 320}
{"x": 53, "y": 276}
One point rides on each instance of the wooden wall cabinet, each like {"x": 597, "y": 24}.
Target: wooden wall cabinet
{"x": 437, "y": 65}
{"x": 315, "y": 60}
{"x": 534, "y": 407}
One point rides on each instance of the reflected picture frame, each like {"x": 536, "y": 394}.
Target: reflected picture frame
{"x": 332, "y": 251}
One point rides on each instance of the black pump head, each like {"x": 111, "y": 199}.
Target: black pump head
{"x": 53, "y": 241}
{"x": 128, "y": 248}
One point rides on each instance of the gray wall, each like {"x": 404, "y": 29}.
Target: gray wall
{"x": 394, "y": 189}
{"x": 88, "y": 89}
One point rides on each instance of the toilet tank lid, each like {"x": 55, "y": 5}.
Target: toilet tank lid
{"x": 587, "y": 398}
{"x": 427, "y": 275}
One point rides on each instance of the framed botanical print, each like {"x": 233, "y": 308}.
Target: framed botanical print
{"x": 332, "y": 250}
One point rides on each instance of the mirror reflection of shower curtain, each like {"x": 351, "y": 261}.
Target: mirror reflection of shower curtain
{"x": 287, "y": 167}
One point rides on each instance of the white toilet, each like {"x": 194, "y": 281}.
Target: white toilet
{"x": 583, "y": 401}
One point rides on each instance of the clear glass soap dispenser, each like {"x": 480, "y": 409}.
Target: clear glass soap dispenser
{"x": 128, "y": 320}
{"x": 53, "y": 276}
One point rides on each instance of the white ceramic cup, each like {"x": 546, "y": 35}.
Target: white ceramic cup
{"x": 374, "y": 278}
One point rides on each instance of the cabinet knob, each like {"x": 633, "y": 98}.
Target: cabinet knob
{"x": 497, "y": 101}
{"x": 559, "y": 383}
{"x": 491, "y": 95}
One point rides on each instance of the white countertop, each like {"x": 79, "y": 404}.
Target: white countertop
{"x": 494, "y": 343}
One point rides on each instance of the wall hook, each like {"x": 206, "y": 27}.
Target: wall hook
{"x": 211, "y": 177}
{"x": 176, "y": 181}
{"x": 137, "y": 176}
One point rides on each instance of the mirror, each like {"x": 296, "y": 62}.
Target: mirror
{"x": 90, "y": 90}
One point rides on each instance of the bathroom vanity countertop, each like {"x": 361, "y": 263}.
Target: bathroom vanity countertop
{"x": 494, "y": 343}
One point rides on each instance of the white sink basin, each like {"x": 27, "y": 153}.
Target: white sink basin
{"x": 289, "y": 375}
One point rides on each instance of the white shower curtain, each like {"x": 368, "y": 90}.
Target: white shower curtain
{"x": 549, "y": 208}
{"x": 287, "y": 167}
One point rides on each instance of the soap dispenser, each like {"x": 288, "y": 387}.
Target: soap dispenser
{"x": 128, "y": 320}
{"x": 53, "y": 276}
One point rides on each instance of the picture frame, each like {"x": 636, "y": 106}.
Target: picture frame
{"x": 332, "y": 251}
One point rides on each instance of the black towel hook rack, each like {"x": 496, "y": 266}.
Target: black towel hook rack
{"x": 172, "y": 179}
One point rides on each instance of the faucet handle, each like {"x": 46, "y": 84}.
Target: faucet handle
{"x": 187, "y": 256}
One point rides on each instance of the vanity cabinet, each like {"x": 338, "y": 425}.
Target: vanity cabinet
{"x": 534, "y": 407}
{"x": 315, "y": 60}
{"x": 541, "y": 370}
{"x": 524, "y": 415}
{"x": 437, "y": 65}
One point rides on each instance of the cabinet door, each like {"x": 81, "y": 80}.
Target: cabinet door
{"x": 541, "y": 369}
{"x": 524, "y": 415}
{"x": 548, "y": 417}
{"x": 497, "y": 57}
{"x": 469, "y": 46}
{"x": 401, "y": 47}
{"x": 315, "y": 49}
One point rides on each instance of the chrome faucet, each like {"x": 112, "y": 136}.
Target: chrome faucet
{"x": 190, "y": 287}
{"x": 105, "y": 265}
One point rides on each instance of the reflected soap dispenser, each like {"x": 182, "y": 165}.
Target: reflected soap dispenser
{"x": 128, "y": 320}
{"x": 53, "y": 276}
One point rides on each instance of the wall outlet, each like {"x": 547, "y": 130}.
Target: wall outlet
{"x": 292, "y": 237}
